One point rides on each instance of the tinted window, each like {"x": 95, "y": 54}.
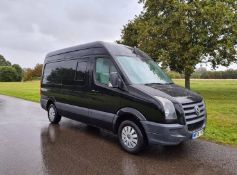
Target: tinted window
{"x": 81, "y": 72}
{"x": 67, "y": 71}
{"x": 50, "y": 75}
{"x": 60, "y": 72}
{"x": 104, "y": 67}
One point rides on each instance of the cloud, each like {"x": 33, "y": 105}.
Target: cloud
{"x": 29, "y": 29}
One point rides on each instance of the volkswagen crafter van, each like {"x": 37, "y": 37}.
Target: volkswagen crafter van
{"x": 121, "y": 89}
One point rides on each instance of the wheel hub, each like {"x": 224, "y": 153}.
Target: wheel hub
{"x": 51, "y": 114}
{"x": 129, "y": 137}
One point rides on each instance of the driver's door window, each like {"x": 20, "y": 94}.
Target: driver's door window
{"x": 104, "y": 67}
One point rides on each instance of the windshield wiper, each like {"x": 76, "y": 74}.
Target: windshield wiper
{"x": 157, "y": 84}
{"x": 154, "y": 84}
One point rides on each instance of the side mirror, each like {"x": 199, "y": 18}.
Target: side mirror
{"x": 115, "y": 80}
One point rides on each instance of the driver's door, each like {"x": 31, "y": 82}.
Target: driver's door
{"x": 105, "y": 100}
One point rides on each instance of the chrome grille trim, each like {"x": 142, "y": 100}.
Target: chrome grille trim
{"x": 191, "y": 105}
{"x": 196, "y": 120}
{"x": 190, "y": 114}
{"x": 195, "y": 115}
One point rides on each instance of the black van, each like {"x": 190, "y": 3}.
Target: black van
{"x": 123, "y": 90}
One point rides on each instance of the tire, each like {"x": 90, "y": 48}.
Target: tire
{"x": 53, "y": 116}
{"x": 131, "y": 137}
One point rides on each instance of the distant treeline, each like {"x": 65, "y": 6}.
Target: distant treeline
{"x": 13, "y": 72}
{"x": 9, "y": 72}
{"x": 202, "y": 73}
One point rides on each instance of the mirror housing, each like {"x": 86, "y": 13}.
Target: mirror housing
{"x": 115, "y": 80}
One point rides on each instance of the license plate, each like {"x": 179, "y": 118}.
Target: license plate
{"x": 197, "y": 134}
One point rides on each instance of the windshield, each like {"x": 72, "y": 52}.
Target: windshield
{"x": 143, "y": 71}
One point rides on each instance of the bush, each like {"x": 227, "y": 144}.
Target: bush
{"x": 33, "y": 74}
{"x": 204, "y": 74}
{"x": 28, "y": 74}
{"x": 19, "y": 71}
{"x": 174, "y": 75}
{"x": 196, "y": 75}
{"x": 8, "y": 74}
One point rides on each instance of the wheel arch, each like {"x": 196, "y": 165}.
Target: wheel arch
{"x": 50, "y": 101}
{"x": 128, "y": 114}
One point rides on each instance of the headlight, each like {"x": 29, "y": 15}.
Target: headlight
{"x": 169, "y": 109}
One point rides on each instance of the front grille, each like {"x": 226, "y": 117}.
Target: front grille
{"x": 195, "y": 126}
{"x": 194, "y": 121}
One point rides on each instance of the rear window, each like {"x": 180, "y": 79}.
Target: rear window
{"x": 60, "y": 72}
{"x": 50, "y": 74}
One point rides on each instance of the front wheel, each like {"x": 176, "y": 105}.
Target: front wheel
{"x": 53, "y": 116}
{"x": 131, "y": 137}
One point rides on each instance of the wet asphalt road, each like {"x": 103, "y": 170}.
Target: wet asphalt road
{"x": 30, "y": 145}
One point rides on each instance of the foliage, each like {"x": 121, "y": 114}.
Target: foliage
{"x": 28, "y": 74}
{"x": 8, "y": 74}
{"x": 229, "y": 74}
{"x": 37, "y": 71}
{"x": 31, "y": 74}
{"x": 19, "y": 71}
{"x": 4, "y": 62}
{"x": 173, "y": 74}
{"x": 204, "y": 74}
{"x": 181, "y": 34}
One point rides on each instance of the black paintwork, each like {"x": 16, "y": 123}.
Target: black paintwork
{"x": 101, "y": 105}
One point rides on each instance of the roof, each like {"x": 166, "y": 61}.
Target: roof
{"x": 97, "y": 47}
{"x": 97, "y": 44}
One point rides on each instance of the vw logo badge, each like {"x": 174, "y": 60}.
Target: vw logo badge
{"x": 197, "y": 110}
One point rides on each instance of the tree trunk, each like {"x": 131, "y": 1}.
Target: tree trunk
{"x": 187, "y": 80}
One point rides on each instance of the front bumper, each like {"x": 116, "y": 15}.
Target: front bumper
{"x": 167, "y": 134}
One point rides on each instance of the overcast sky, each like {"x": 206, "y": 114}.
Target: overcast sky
{"x": 29, "y": 29}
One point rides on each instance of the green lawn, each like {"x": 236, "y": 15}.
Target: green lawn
{"x": 25, "y": 90}
{"x": 220, "y": 97}
{"x": 221, "y": 102}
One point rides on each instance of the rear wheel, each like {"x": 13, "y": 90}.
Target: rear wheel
{"x": 53, "y": 116}
{"x": 131, "y": 137}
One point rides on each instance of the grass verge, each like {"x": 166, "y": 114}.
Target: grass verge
{"x": 24, "y": 90}
{"x": 221, "y": 102}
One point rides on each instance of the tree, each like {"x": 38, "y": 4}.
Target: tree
{"x": 37, "y": 71}
{"x": 4, "y": 62}
{"x": 28, "y": 74}
{"x": 8, "y": 74}
{"x": 182, "y": 33}
{"x": 19, "y": 71}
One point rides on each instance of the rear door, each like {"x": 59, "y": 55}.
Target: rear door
{"x": 78, "y": 95}
{"x": 65, "y": 72}
{"x": 51, "y": 82}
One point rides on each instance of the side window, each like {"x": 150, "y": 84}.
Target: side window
{"x": 51, "y": 74}
{"x": 80, "y": 77}
{"x": 104, "y": 67}
{"x": 60, "y": 72}
{"x": 67, "y": 71}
